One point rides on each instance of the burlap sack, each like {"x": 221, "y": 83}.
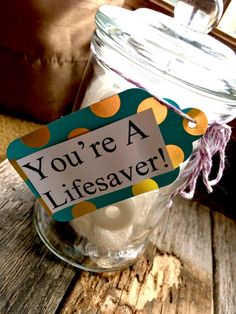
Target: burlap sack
{"x": 44, "y": 46}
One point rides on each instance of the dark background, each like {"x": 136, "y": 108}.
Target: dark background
{"x": 223, "y": 197}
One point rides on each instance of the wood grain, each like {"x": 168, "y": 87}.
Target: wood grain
{"x": 32, "y": 280}
{"x": 188, "y": 236}
{"x": 176, "y": 278}
{"x": 224, "y": 253}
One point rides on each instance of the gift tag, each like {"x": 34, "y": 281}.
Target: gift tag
{"x": 122, "y": 146}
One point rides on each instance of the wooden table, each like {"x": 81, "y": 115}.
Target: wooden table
{"x": 193, "y": 269}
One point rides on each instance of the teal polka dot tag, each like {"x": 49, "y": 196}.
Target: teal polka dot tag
{"x": 117, "y": 148}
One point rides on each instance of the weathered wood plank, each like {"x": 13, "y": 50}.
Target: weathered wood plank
{"x": 177, "y": 280}
{"x": 224, "y": 254}
{"x": 127, "y": 291}
{"x": 32, "y": 280}
{"x": 188, "y": 236}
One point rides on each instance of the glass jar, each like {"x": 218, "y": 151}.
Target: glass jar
{"x": 140, "y": 48}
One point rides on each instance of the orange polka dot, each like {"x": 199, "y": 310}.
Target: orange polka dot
{"x": 201, "y": 122}
{"x": 144, "y": 186}
{"x": 159, "y": 110}
{"x": 37, "y": 138}
{"x": 176, "y": 155}
{"x": 107, "y": 107}
{"x": 83, "y": 208}
{"x": 77, "y": 132}
{"x": 19, "y": 170}
{"x": 45, "y": 206}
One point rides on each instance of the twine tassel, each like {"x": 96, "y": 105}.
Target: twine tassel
{"x": 212, "y": 142}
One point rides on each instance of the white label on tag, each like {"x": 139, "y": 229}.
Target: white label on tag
{"x": 99, "y": 162}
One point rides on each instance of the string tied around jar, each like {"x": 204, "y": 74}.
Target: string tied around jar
{"x": 212, "y": 142}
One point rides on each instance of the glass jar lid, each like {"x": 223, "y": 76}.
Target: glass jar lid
{"x": 163, "y": 47}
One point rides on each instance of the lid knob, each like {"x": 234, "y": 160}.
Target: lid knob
{"x": 198, "y": 15}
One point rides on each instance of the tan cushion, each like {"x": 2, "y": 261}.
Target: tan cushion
{"x": 44, "y": 46}
{"x": 11, "y": 128}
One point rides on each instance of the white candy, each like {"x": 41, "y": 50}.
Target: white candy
{"x": 117, "y": 216}
{"x": 112, "y": 240}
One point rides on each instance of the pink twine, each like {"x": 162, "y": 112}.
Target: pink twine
{"x": 213, "y": 141}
